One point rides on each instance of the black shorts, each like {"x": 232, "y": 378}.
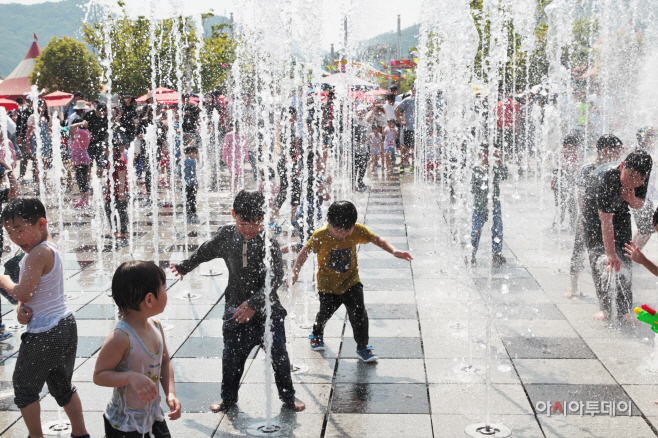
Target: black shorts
{"x": 49, "y": 358}
{"x": 96, "y": 152}
{"x": 409, "y": 139}
{"x": 81, "y": 172}
{"x": 159, "y": 430}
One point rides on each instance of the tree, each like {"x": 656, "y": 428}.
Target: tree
{"x": 217, "y": 56}
{"x": 66, "y": 65}
{"x": 174, "y": 50}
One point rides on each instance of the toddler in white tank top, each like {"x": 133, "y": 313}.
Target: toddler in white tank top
{"x": 134, "y": 359}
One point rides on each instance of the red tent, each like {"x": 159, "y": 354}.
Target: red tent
{"x": 18, "y": 83}
{"x": 8, "y": 104}
{"x": 378, "y": 92}
{"x": 57, "y": 98}
{"x": 158, "y": 94}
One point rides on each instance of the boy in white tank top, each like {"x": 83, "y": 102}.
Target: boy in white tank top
{"x": 48, "y": 348}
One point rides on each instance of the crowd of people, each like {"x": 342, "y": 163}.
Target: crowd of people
{"x": 287, "y": 152}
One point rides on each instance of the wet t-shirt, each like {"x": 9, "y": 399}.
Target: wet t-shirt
{"x": 603, "y": 193}
{"x": 337, "y": 265}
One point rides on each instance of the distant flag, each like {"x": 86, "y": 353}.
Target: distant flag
{"x": 35, "y": 37}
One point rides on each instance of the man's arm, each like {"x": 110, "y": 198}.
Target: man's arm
{"x": 398, "y": 115}
{"x": 14, "y": 188}
{"x": 388, "y": 247}
{"x": 35, "y": 264}
{"x": 608, "y": 231}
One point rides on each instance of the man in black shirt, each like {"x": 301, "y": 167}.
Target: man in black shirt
{"x": 244, "y": 248}
{"x": 191, "y": 121}
{"x": 97, "y": 126}
{"x": 23, "y": 113}
{"x": 613, "y": 188}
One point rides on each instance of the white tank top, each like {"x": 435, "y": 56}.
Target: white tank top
{"x": 47, "y": 303}
{"x": 389, "y": 135}
{"x": 126, "y": 411}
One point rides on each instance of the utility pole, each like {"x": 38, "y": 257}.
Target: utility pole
{"x": 399, "y": 53}
{"x": 390, "y": 67}
{"x": 332, "y": 58}
{"x": 345, "y": 24}
{"x": 231, "y": 22}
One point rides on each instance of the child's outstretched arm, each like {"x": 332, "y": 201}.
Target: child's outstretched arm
{"x": 115, "y": 349}
{"x": 36, "y": 263}
{"x": 209, "y": 250}
{"x": 388, "y": 247}
{"x": 168, "y": 382}
{"x": 634, "y": 253}
{"x": 299, "y": 262}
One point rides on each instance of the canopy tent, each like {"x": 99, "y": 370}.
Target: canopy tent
{"x": 378, "y": 92}
{"x": 18, "y": 83}
{"x": 361, "y": 96}
{"x": 160, "y": 93}
{"x": 8, "y": 104}
{"x": 348, "y": 81}
{"x": 57, "y": 98}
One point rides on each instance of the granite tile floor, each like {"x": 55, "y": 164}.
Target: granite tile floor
{"x": 554, "y": 371}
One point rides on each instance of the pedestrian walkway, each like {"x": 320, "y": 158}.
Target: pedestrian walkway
{"x": 428, "y": 325}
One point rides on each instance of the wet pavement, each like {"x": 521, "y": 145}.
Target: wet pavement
{"x": 428, "y": 325}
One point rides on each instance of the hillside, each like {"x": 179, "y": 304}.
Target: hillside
{"x": 408, "y": 39}
{"x": 46, "y": 20}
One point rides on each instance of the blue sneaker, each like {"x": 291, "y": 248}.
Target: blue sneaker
{"x": 317, "y": 344}
{"x": 4, "y": 336}
{"x": 366, "y": 354}
{"x": 275, "y": 228}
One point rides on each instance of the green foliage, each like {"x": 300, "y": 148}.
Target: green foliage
{"x": 66, "y": 65}
{"x": 581, "y": 54}
{"x": 131, "y": 68}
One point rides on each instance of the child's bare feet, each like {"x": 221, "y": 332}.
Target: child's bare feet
{"x": 601, "y": 316}
{"x": 297, "y": 406}
{"x": 220, "y": 406}
{"x": 569, "y": 294}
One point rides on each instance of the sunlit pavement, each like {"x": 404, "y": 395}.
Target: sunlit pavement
{"x": 430, "y": 380}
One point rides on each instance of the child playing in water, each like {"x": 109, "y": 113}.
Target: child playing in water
{"x": 338, "y": 273}
{"x": 48, "y": 348}
{"x": 244, "y": 248}
{"x": 134, "y": 359}
{"x": 390, "y": 137}
{"x": 376, "y": 145}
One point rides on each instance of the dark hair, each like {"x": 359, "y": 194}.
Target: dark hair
{"x": 191, "y": 149}
{"x": 249, "y": 205}
{"x": 573, "y": 139}
{"x": 30, "y": 209}
{"x": 79, "y": 94}
{"x": 655, "y": 218}
{"x": 639, "y": 161}
{"x": 608, "y": 141}
{"x": 390, "y": 96}
{"x": 342, "y": 214}
{"x": 394, "y": 87}
{"x": 19, "y": 100}
{"x": 292, "y": 111}
{"x": 101, "y": 107}
{"x": 133, "y": 280}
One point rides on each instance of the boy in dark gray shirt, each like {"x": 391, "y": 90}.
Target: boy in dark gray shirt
{"x": 244, "y": 248}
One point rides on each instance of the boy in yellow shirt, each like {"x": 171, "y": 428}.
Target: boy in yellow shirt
{"x": 338, "y": 274}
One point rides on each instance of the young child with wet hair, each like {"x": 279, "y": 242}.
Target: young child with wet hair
{"x": 255, "y": 272}
{"x": 134, "y": 359}
{"x": 48, "y": 347}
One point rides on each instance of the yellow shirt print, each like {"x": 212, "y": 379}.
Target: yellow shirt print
{"x": 337, "y": 264}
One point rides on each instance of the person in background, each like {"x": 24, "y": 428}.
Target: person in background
{"x": 97, "y": 124}
{"x": 608, "y": 149}
{"x": 5, "y": 195}
{"x": 45, "y": 136}
{"x": 191, "y": 182}
{"x": 480, "y": 186}
{"x": 69, "y": 106}
{"x": 564, "y": 181}
{"x": 23, "y": 113}
{"x": 406, "y": 115}
{"x": 646, "y": 140}
{"x": 79, "y": 145}
{"x": 117, "y": 189}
